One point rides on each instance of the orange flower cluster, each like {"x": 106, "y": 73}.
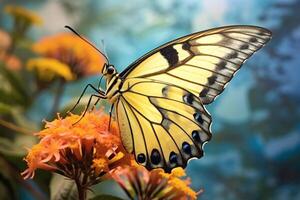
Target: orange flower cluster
{"x": 70, "y": 50}
{"x": 85, "y": 149}
{"x": 137, "y": 181}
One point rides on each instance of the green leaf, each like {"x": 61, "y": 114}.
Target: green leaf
{"x": 11, "y": 97}
{"x": 62, "y": 188}
{"x": 5, "y": 108}
{"x": 12, "y": 148}
{"x": 106, "y": 197}
{"x": 16, "y": 85}
{"x": 8, "y": 187}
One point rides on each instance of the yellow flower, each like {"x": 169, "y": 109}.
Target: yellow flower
{"x": 86, "y": 148}
{"x": 48, "y": 68}
{"x": 82, "y": 59}
{"x": 24, "y": 14}
{"x": 137, "y": 181}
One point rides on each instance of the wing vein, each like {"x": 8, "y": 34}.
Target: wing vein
{"x": 184, "y": 117}
{"x": 129, "y": 106}
{"x": 249, "y": 43}
{"x": 208, "y": 70}
{"x": 205, "y": 54}
{"x": 185, "y": 132}
{"x": 162, "y": 153}
{"x": 227, "y": 47}
{"x": 193, "y": 82}
{"x": 131, "y": 133}
{"x": 248, "y": 33}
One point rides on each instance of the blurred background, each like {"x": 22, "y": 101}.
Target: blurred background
{"x": 255, "y": 149}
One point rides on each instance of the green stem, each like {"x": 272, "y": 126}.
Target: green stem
{"x": 14, "y": 127}
{"x": 57, "y": 97}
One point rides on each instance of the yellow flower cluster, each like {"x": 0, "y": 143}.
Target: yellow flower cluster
{"x": 179, "y": 185}
{"x": 48, "y": 68}
{"x": 137, "y": 181}
{"x": 24, "y": 14}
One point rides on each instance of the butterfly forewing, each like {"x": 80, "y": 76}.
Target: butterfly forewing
{"x": 202, "y": 62}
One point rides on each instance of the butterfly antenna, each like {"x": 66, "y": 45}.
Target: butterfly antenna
{"x": 71, "y": 29}
{"x": 104, "y": 48}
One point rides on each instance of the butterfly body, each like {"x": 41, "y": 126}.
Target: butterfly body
{"x": 159, "y": 99}
{"x": 113, "y": 86}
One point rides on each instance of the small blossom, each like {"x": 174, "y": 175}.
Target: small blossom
{"x": 20, "y": 13}
{"x": 100, "y": 165}
{"x": 10, "y": 61}
{"x": 48, "y": 68}
{"x": 140, "y": 183}
{"x": 5, "y": 41}
{"x": 67, "y": 48}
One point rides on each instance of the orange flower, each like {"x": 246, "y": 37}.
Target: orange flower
{"x": 82, "y": 59}
{"x": 85, "y": 148}
{"x": 140, "y": 183}
{"x": 5, "y": 41}
{"x": 11, "y": 61}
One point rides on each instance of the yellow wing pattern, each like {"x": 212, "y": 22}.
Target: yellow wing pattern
{"x": 160, "y": 108}
{"x": 201, "y": 62}
{"x": 163, "y": 125}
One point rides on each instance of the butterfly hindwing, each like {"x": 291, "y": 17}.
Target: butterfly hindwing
{"x": 167, "y": 125}
{"x": 201, "y": 62}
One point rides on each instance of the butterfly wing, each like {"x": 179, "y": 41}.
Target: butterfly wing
{"x": 160, "y": 109}
{"x": 202, "y": 62}
{"x": 164, "y": 125}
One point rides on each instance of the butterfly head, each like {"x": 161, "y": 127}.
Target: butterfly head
{"x": 108, "y": 70}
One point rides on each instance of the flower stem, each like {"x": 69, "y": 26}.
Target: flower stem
{"x": 57, "y": 97}
{"x": 14, "y": 127}
{"x": 81, "y": 190}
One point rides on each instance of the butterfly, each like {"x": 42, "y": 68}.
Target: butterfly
{"x": 159, "y": 100}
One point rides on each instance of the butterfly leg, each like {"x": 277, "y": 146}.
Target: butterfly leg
{"x": 83, "y": 92}
{"x": 110, "y": 114}
{"x": 95, "y": 104}
{"x": 88, "y": 105}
